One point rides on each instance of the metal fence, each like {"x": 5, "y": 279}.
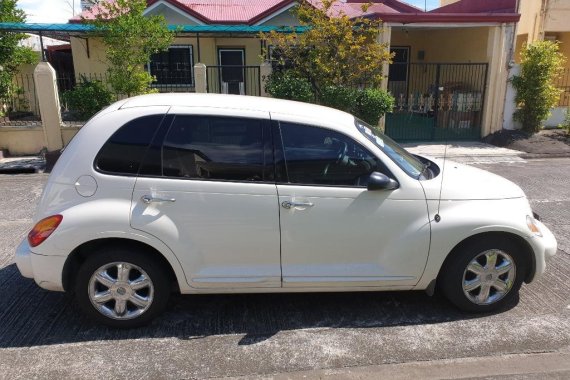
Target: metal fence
{"x": 436, "y": 101}
{"x": 563, "y": 83}
{"x": 238, "y": 80}
{"x": 22, "y": 100}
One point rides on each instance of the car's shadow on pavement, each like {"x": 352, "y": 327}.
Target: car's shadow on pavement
{"x": 30, "y": 316}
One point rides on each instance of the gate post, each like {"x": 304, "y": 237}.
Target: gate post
{"x": 384, "y": 38}
{"x": 48, "y": 100}
{"x": 200, "y": 78}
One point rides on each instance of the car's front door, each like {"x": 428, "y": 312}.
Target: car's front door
{"x": 206, "y": 189}
{"x": 335, "y": 232}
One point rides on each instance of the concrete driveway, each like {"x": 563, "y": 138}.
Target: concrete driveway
{"x": 42, "y": 334}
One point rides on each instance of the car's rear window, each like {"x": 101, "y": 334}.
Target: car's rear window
{"x": 125, "y": 149}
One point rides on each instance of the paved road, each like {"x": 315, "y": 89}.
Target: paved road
{"x": 43, "y": 335}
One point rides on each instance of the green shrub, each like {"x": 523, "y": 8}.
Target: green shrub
{"x": 536, "y": 93}
{"x": 368, "y": 104}
{"x": 287, "y": 85}
{"x": 88, "y": 98}
{"x": 372, "y": 104}
{"x": 341, "y": 98}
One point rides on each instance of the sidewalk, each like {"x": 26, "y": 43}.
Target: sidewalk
{"x": 469, "y": 152}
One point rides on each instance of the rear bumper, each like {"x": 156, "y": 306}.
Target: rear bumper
{"x": 544, "y": 248}
{"x": 45, "y": 270}
{"x": 24, "y": 259}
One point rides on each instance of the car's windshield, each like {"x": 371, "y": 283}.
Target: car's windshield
{"x": 405, "y": 160}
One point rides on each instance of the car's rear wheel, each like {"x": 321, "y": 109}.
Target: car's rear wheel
{"x": 484, "y": 275}
{"x": 122, "y": 288}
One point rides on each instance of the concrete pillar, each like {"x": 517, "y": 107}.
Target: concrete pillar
{"x": 200, "y": 78}
{"x": 497, "y": 53}
{"x": 510, "y": 104}
{"x": 264, "y": 71}
{"x": 48, "y": 100}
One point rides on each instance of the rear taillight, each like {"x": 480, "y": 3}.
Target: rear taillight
{"x": 43, "y": 229}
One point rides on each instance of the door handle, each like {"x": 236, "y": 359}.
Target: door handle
{"x": 147, "y": 199}
{"x": 288, "y": 204}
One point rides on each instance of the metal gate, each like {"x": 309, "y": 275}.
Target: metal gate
{"x": 232, "y": 79}
{"x": 436, "y": 101}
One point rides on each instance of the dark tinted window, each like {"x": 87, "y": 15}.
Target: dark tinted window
{"x": 123, "y": 152}
{"x": 320, "y": 156}
{"x": 211, "y": 147}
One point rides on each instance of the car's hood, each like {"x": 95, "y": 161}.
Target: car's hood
{"x": 463, "y": 182}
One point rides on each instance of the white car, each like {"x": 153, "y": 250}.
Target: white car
{"x": 197, "y": 193}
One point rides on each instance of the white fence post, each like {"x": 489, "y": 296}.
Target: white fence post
{"x": 200, "y": 77}
{"x": 48, "y": 100}
{"x": 264, "y": 71}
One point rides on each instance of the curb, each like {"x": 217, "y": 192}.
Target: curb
{"x": 531, "y": 156}
{"x": 537, "y": 365}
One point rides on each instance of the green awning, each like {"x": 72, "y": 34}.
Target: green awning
{"x": 86, "y": 28}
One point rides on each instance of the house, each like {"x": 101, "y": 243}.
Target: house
{"x": 448, "y": 75}
{"x": 545, "y": 20}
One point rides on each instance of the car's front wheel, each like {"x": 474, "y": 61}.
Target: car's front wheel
{"x": 484, "y": 275}
{"x": 121, "y": 287}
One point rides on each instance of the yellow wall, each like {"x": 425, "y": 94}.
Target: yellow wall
{"x": 96, "y": 63}
{"x": 444, "y": 45}
{"x": 520, "y": 41}
{"x": 88, "y": 56}
{"x": 530, "y": 21}
{"x": 446, "y": 2}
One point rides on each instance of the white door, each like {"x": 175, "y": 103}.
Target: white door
{"x": 334, "y": 232}
{"x": 214, "y": 201}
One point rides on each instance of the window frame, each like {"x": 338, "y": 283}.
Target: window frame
{"x": 192, "y": 83}
{"x": 279, "y": 156}
{"x": 267, "y": 147}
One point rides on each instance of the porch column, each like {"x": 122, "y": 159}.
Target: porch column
{"x": 497, "y": 75}
{"x": 48, "y": 100}
{"x": 200, "y": 78}
{"x": 384, "y": 39}
{"x": 264, "y": 72}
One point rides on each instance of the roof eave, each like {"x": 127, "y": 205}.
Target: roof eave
{"x": 410, "y": 18}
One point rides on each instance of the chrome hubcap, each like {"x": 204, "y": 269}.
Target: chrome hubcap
{"x": 121, "y": 290}
{"x": 489, "y": 277}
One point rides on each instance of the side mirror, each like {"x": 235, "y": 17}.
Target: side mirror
{"x": 379, "y": 181}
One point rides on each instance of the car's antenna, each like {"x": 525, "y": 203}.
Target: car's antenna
{"x": 437, "y": 217}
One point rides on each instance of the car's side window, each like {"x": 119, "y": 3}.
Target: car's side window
{"x": 125, "y": 149}
{"x": 320, "y": 156}
{"x": 217, "y": 148}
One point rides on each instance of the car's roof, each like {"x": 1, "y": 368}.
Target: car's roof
{"x": 254, "y": 103}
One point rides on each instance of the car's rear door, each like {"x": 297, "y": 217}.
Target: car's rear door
{"x": 207, "y": 190}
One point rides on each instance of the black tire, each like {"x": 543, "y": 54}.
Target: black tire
{"x": 155, "y": 271}
{"x": 451, "y": 277}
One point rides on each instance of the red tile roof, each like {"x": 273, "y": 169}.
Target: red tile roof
{"x": 253, "y": 11}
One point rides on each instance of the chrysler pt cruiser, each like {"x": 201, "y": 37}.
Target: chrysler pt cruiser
{"x": 195, "y": 193}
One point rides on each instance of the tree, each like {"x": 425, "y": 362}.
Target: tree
{"x": 541, "y": 63}
{"x": 12, "y": 55}
{"x": 333, "y": 51}
{"x": 130, "y": 39}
